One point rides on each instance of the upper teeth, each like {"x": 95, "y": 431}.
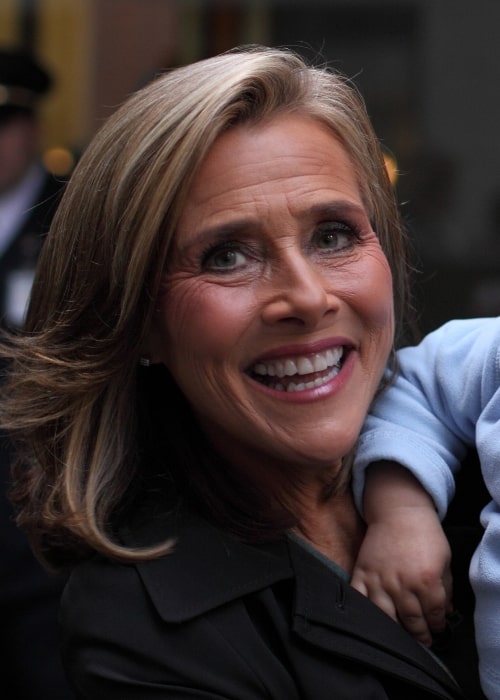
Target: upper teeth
{"x": 300, "y": 365}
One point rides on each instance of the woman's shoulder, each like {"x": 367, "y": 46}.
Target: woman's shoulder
{"x": 123, "y": 637}
{"x": 180, "y": 619}
{"x": 205, "y": 568}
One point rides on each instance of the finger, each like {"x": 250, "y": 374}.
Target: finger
{"x": 360, "y": 587}
{"x": 417, "y": 626}
{"x": 436, "y": 618}
{"x": 412, "y": 618}
{"x": 358, "y": 581}
{"x": 384, "y": 602}
{"x": 407, "y": 611}
{"x": 436, "y": 604}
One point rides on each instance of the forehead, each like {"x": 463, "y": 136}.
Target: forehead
{"x": 290, "y": 160}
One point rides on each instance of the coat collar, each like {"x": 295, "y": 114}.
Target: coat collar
{"x": 210, "y": 568}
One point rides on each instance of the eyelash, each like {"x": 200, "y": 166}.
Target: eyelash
{"x": 212, "y": 250}
{"x": 336, "y": 228}
{"x": 322, "y": 229}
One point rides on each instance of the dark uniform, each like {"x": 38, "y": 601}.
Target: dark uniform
{"x": 29, "y": 597}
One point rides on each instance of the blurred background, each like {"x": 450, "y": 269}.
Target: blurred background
{"x": 429, "y": 71}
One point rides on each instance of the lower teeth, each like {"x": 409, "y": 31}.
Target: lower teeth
{"x": 302, "y": 386}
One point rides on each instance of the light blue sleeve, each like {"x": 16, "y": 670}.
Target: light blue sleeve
{"x": 426, "y": 418}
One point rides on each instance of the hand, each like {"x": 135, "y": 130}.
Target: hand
{"x": 404, "y": 567}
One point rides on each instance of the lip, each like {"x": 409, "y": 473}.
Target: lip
{"x": 329, "y": 384}
{"x": 296, "y": 350}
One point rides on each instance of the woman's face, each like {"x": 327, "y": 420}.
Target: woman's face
{"x": 276, "y": 315}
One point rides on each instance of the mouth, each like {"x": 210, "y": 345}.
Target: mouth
{"x": 300, "y": 373}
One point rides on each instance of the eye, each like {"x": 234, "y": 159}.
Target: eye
{"x": 334, "y": 236}
{"x": 223, "y": 258}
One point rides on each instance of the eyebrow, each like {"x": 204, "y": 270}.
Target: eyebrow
{"x": 220, "y": 232}
{"x": 238, "y": 227}
{"x": 332, "y": 209}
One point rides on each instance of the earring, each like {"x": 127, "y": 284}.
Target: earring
{"x": 145, "y": 361}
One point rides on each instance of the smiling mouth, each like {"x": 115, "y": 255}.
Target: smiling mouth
{"x": 299, "y": 373}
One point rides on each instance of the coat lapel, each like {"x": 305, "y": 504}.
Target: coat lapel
{"x": 332, "y": 616}
{"x": 209, "y": 567}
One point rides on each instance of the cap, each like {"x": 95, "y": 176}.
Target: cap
{"x": 22, "y": 79}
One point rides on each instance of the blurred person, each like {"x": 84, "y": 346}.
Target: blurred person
{"x": 28, "y": 193}
{"x": 29, "y": 596}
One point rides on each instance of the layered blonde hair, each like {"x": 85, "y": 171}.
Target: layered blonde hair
{"x": 70, "y": 399}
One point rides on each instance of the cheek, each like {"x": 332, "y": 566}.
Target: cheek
{"x": 202, "y": 322}
{"x": 378, "y": 312}
{"x": 379, "y": 296}
{"x": 368, "y": 290}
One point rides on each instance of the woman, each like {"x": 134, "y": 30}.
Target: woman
{"x": 210, "y": 322}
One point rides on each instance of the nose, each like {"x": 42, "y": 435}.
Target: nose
{"x": 299, "y": 294}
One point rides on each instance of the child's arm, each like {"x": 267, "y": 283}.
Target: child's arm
{"x": 404, "y": 563}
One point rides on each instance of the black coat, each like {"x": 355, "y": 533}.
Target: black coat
{"x": 222, "y": 619}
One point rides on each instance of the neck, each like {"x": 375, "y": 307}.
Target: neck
{"x": 334, "y": 527}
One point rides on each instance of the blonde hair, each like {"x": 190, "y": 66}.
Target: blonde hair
{"x": 71, "y": 399}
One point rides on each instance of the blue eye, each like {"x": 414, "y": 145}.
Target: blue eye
{"x": 223, "y": 259}
{"x": 334, "y": 236}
